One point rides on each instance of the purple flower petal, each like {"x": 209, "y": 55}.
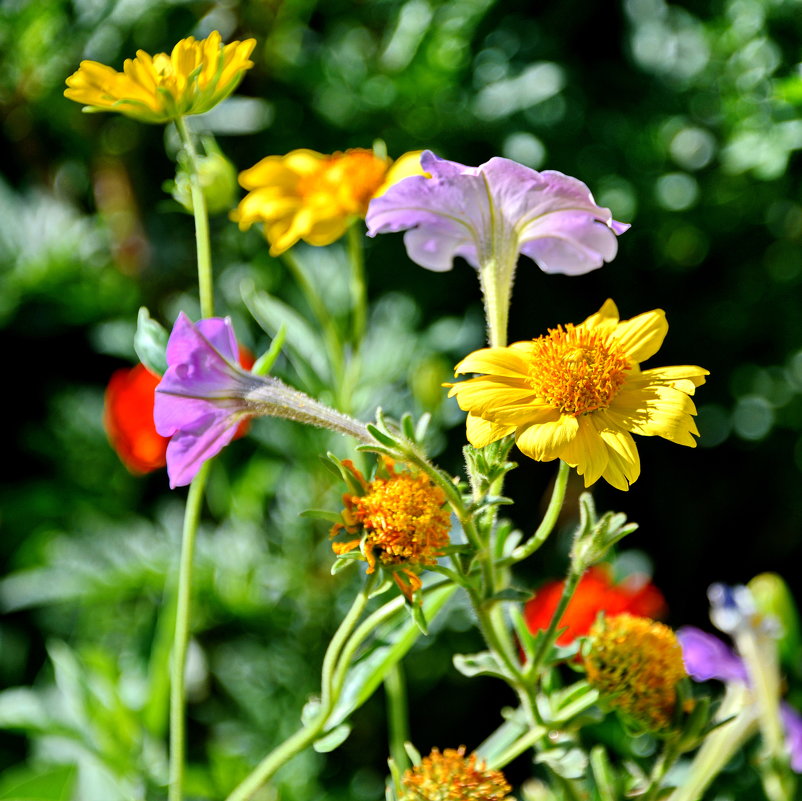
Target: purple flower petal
{"x": 707, "y": 657}
{"x": 199, "y": 401}
{"x": 500, "y": 206}
{"x": 792, "y": 721}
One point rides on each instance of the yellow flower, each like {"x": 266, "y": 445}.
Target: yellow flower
{"x": 577, "y": 393}
{"x": 314, "y": 197}
{"x": 196, "y": 76}
{"x": 636, "y": 664}
{"x": 451, "y": 776}
{"x": 400, "y": 519}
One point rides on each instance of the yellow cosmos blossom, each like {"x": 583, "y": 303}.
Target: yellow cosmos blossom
{"x": 313, "y": 197}
{"x": 577, "y": 393}
{"x": 194, "y": 78}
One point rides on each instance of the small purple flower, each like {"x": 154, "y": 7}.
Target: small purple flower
{"x": 707, "y": 657}
{"x": 201, "y": 398}
{"x": 205, "y": 394}
{"x": 500, "y": 206}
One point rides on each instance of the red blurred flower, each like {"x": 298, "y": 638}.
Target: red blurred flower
{"x": 595, "y": 593}
{"x": 128, "y": 417}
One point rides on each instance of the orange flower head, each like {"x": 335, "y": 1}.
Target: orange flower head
{"x": 636, "y": 664}
{"x": 128, "y": 417}
{"x": 313, "y": 197}
{"x": 400, "y": 521}
{"x": 451, "y": 776}
{"x": 596, "y": 592}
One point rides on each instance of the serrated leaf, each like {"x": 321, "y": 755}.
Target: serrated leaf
{"x": 332, "y": 739}
{"x": 150, "y": 342}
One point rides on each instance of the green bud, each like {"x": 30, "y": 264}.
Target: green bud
{"x": 596, "y": 535}
{"x": 773, "y": 598}
{"x": 218, "y": 179}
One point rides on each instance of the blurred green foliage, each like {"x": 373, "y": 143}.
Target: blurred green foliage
{"x": 685, "y": 121}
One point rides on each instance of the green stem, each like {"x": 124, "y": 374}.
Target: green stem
{"x": 526, "y": 741}
{"x": 356, "y": 256}
{"x": 202, "y": 241}
{"x": 397, "y": 715}
{"x": 181, "y": 638}
{"x": 304, "y": 737}
{"x": 571, "y": 583}
{"x": 549, "y": 519}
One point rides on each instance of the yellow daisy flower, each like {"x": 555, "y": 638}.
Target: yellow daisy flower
{"x": 195, "y": 77}
{"x": 313, "y": 197}
{"x": 576, "y": 394}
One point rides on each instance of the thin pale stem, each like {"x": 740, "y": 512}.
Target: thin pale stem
{"x": 496, "y": 286}
{"x": 181, "y": 638}
{"x": 202, "y": 241}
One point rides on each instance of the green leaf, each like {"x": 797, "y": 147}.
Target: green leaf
{"x": 150, "y": 342}
{"x": 604, "y": 774}
{"x": 392, "y": 643}
{"x": 332, "y": 739}
{"x": 322, "y": 514}
{"x": 29, "y": 784}
{"x": 380, "y": 436}
{"x": 418, "y": 616}
{"x": 264, "y": 364}
{"x": 516, "y": 594}
{"x": 482, "y": 664}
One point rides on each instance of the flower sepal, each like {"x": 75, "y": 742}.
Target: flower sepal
{"x": 596, "y": 535}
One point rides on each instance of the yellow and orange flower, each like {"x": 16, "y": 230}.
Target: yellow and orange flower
{"x": 576, "y": 394}
{"x": 636, "y": 665}
{"x": 400, "y": 520}
{"x": 451, "y": 776}
{"x": 194, "y": 78}
{"x": 313, "y": 197}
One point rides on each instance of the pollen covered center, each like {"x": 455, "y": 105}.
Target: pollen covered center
{"x": 576, "y": 370}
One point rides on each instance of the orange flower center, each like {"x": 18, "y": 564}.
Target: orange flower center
{"x": 576, "y": 370}
{"x": 451, "y": 776}
{"x": 637, "y": 664}
{"x": 404, "y": 518}
{"x": 347, "y": 181}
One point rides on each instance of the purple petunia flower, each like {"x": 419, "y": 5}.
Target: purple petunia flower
{"x": 474, "y": 212}
{"x": 707, "y": 657}
{"x": 489, "y": 215}
{"x": 205, "y": 394}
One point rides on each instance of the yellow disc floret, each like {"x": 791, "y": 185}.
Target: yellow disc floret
{"x": 401, "y": 520}
{"x": 576, "y": 370}
{"x": 451, "y": 776}
{"x": 636, "y": 664}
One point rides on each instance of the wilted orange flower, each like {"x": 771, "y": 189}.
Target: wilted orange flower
{"x": 451, "y": 776}
{"x": 128, "y": 417}
{"x": 595, "y": 593}
{"x": 400, "y": 520}
{"x": 194, "y": 78}
{"x": 313, "y": 197}
{"x": 636, "y": 664}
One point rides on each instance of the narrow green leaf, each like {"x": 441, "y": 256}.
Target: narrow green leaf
{"x": 264, "y": 364}
{"x": 332, "y": 739}
{"x": 380, "y": 436}
{"x": 322, "y": 514}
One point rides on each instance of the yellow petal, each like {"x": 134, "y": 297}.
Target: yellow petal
{"x": 546, "y": 441}
{"x": 522, "y": 414}
{"x": 496, "y": 361}
{"x": 403, "y": 167}
{"x": 605, "y": 318}
{"x": 586, "y": 452}
{"x": 642, "y": 336}
{"x": 656, "y": 410}
{"x": 623, "y": 465}
{"x": 487, "y": 394}
{"x": 482, "y": 432}
{"x": 684, "y": 377}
